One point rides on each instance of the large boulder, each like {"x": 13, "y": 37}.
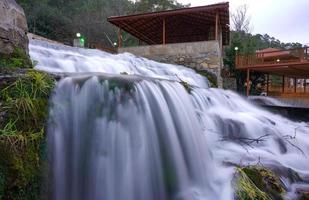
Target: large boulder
{"x": 13, "y": 28}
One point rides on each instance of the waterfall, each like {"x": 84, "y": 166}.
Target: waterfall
{"x": 131, "y": 130}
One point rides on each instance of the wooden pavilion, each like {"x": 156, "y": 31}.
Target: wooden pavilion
{"x": 191, "y": 24}
{"x": 292, "y": 63}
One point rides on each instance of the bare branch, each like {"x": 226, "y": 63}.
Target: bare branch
{"x": 288, "y": 139}
{"x": 241, "y": 20}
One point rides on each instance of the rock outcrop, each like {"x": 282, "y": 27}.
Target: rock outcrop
{"x": 13, "y": 28}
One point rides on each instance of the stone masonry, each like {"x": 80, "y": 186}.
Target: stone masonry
{"x": 204, "y": 55}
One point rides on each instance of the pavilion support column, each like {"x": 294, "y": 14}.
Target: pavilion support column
{"x": 217, "y": 26}
{"x": 164, "y": 32}
{"x": 248, "y": 82}
{"x": 295, "y": 85}
{"x": 267, "y": 84}
{"x": 283, "y": 85}
{"x": 305, "y": 85}
{"x": 119, "y": 38}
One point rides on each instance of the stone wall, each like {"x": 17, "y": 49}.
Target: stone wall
{"x": 204, "y": 55}
{"x": 13, "y": 27}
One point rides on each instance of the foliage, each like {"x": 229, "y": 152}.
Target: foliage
{"x": 156, "y": 5}
{"x": 257, "y": 182}
{"x": 25, "y": 104}
{"x": 18, "y": 59}
{"x": 24, "y": 97}
{"x": 61, "y": 20}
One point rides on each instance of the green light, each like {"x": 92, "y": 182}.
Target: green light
{"x": 82, "y": 41}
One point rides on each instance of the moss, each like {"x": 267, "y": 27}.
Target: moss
{"x": 186, "y": 86}
{"x": 125, "y": 86}
{"x": 211, "y": 77}
{"x": 246, "y": 189}
{"x": 25, "y": 104}
{"x": 18, "y": 59}
{"x": 256, "y": 182}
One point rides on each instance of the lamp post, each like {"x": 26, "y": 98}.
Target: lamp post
{"x": 236, "y": 53}
{"x": 80, "y": 41}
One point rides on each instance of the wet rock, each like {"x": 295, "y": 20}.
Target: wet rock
{"x": 303, "y": 194}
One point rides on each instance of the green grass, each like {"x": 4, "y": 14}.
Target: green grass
{"x": 25, "y": 104}
{"x": 258, "y": 183}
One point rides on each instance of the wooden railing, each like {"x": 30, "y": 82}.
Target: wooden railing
{"x": 278, "y": 57}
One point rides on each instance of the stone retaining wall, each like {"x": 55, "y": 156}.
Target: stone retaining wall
{"x": 204, "y": 55}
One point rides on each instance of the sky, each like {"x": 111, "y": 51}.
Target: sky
{"x": 286, "y": 20}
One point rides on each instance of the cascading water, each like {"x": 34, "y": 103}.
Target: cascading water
{"x": 146, "y": 136}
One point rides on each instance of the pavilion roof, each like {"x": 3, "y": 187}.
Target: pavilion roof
{"x": 182, "y": 25}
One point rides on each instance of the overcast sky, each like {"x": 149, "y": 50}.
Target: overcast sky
{"x": 286, "y": 20}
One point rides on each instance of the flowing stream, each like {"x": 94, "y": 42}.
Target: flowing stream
{"x": 124, "y": 127}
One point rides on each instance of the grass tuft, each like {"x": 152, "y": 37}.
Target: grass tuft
{"x": 25, "y": 108}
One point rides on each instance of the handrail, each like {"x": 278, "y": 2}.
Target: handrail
{"x": 271, "y": 58}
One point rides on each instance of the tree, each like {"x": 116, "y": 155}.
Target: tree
{"x": 241, "y": 20}
{"x": 156, "y": 5}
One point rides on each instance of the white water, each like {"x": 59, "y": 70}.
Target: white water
{"x": 136, "y": 138}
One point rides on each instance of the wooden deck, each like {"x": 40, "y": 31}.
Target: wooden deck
{"x": 292, "y": 63}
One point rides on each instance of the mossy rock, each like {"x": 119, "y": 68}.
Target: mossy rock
{"x": 257, "y": 182}
{"x": 20, "y": 166}
{"x": 24, "y": 103}
{"x": 18, "y": 59}
{"x": 186, "y": 85}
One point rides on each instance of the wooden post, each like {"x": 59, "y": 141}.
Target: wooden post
{"x": 217, "y": 26}
{"x": 305, "y": 85}
{"x": 295, "y": 85}
{"x": 164, "y": 32}
{"x": 283, "y": 84}
{"x": 267, "y": 84}
{"x": 119, "y": 38}
{"x": 248, "y": 82}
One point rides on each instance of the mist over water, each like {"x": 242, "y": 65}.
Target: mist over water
{"x": 117, "y": 137}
